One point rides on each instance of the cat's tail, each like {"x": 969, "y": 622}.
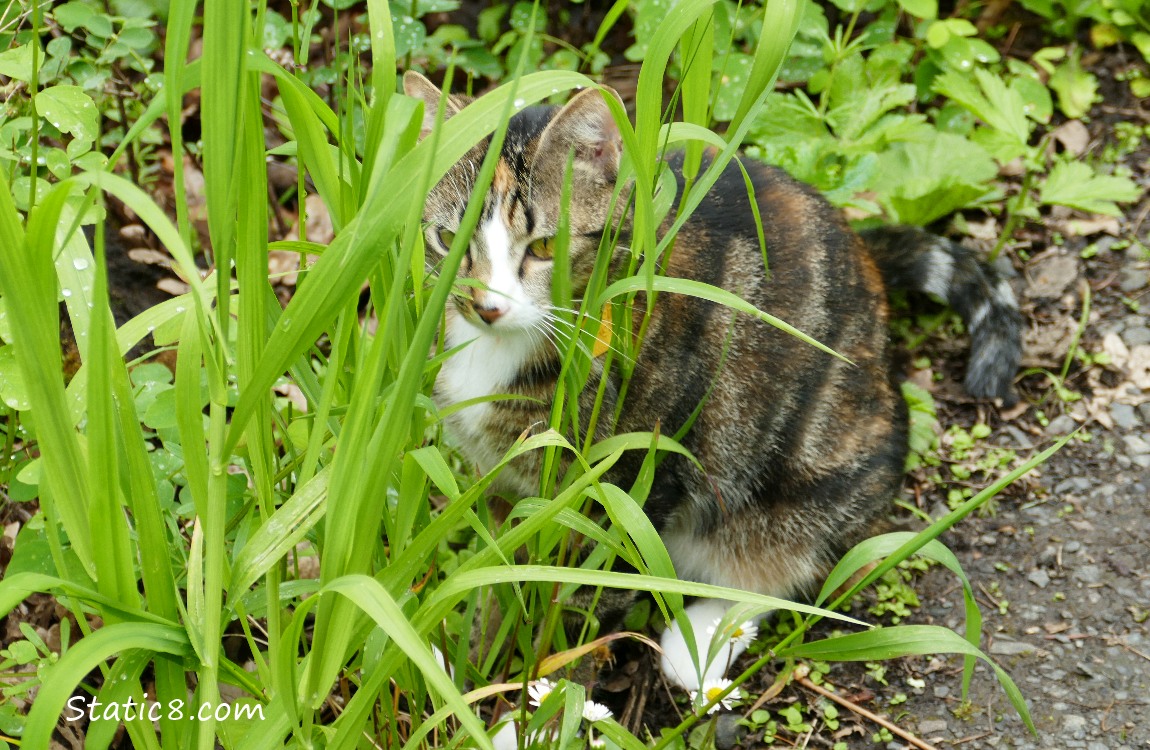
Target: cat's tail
{"x": 911, "y": 258}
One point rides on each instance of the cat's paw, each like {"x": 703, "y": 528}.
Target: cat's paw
{"x": 676, "y": 662}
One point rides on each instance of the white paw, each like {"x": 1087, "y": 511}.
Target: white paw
{"x": 713, "y": 659}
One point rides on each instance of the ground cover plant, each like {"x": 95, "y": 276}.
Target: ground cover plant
{"x": 273, "y": 521}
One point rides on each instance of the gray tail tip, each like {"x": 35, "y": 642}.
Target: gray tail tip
{"x": 990, "y": 373}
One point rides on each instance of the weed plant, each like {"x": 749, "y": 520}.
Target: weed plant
{"x": 176, "y": 509}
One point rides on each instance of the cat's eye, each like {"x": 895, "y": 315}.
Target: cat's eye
{"x": 542, "y": 248}
{"x": 446, "y": 237}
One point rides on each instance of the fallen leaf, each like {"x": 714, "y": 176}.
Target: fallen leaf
{"x": 150, "y": 257}
{"x": 1073, "y": 136}
{"x": 1096, "y": 224}
{"x": 174, "y": 287}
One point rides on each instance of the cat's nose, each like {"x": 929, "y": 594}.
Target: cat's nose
{"x": 490, "y": 314}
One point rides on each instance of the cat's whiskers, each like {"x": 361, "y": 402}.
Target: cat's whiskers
{"x": 608, "y": 343}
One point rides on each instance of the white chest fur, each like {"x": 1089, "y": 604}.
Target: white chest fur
{"x": 486, "y": 366}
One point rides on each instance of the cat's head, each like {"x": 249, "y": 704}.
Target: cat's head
{"x": 509, "y": 261}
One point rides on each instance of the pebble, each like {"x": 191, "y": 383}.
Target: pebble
{"x": 1002, "y": 647}
{"x": 1124, "y": 416}
{"x": 1074, "y": 484}
{"x": 1039, "y": 578}
{"x": 728, "y": 731}
{"x": 1053, "y": 276}
{"x": 941, "y": 691}
{"x": 1072, "y": 546}
{"x": 1088, "y": 574}
{"x": 1144, "y": 411}
{"x": 1061, "y": 425}
{"x": 1073, "y": 722}
{"x": 1020, "y": 438}
{"x": 1136, "y": 336}
{"x": 931, "y": 726}
{"x": 1136, "y": 445}
{"x": 1133, "y": 279}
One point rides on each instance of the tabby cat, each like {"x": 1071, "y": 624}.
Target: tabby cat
{"x": 802, "y": 452}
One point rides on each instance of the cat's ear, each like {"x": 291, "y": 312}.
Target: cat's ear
{"x": 586, "y": 125}
{"x": 417, "y": 86}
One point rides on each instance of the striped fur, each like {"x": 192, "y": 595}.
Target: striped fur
{"x": 802, "y": 452}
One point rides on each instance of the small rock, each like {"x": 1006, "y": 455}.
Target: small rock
{"x": 1039, "y": 578}
{"x": 1124, "y": 416}
{"x": 1088, "y": 574}
{"x": 1132, "y": 279}
{"x": 1073, "y": 484}
{"x": 941, "y": 691}
{"x": 728, "y": 731}
{"x": 1073, "y": 722}
{"x": 1144, "y": 411}
{"x": 1020, "y": 438}
{"x": 1053, "y": 276}
{"x": 1002, "y": 647}
{"x": 1061, "y": 425}
{"x": 1072, "y": 546}
{"x": 1086, "y": 670}
{"x": 1135, "y": 335}
{"x": 931, "y": 726}
{"x": 1097, "y": 746}
{"x": 1136, "y": 445}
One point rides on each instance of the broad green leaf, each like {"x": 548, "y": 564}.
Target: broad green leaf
{"x": 16, "y": 63}
{"x": 926, "y": 181}
{"x": 69, "y": 110}
{"x": 1076, "y": 87}
{"x": 924, "y": 9}
{"x": 1077, "y": 185}
{"x": 989, "y": 99}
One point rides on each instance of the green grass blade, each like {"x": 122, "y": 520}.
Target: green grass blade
{"x": 711, "y": 293}
{"x": 278, "y": 535}
{"x": 367, "y": 594}
{"x": 779, "y": 26}
{"x": 905, "y": 640}
{"x": 85, "y": 656}
{"x": 114, "y": 556}
{"x": 28, "y": 283}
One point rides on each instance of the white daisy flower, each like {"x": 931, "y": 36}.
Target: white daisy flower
{"x": 593, "y": 711}
{"x": 745, "y": 634}
{"x": 739, "y": 636}
{"x": 597, "y": 742}
{"x": 711, "y": 690}
{"x": 539, "y": 690}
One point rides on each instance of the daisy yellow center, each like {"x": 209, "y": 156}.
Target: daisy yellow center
{"x": 738, "y": 633}
{"x": 713, "y": 693}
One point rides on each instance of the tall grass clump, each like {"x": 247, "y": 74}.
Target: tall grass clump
{"x": 409, "y": 554}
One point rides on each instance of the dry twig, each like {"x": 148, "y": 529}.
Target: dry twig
{"x": 800, "y": 675}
